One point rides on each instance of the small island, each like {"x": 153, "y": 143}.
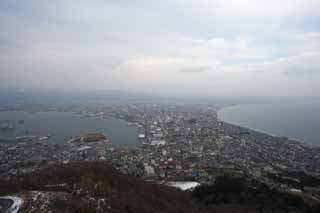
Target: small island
{"x": 88, "y": 137}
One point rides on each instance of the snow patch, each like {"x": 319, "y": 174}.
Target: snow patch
{"x": 17, "y": 203}
{"x": 184, "y": 185}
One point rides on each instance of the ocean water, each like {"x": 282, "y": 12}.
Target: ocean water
{"x": 64, "y": 125}
{"x": 295, "y": 120}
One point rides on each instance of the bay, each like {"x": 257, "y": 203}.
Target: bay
{"x": 64, "y": 125}
{"x": 295, "y": 120}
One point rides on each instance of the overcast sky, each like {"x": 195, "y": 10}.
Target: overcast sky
{"x": 180, "y": 47}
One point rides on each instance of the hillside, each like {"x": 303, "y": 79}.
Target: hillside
{"x": 97, "y": 187}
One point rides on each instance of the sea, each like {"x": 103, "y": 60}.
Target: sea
{"x": 295, "y": 120}
{"x": 62, "y": 126}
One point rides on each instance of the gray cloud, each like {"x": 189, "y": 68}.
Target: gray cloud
{"x": 195, "y": 69}
{"x": 139, "y": 45}
{"x": 302, "y": 71}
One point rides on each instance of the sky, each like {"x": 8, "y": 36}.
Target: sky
{"x": 168, "y": 47}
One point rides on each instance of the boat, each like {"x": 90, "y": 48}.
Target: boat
{"x": 44, "y": 138}
{"x": 25, "y": 138}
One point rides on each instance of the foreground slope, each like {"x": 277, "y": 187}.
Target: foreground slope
{"x": 97, "y": 187}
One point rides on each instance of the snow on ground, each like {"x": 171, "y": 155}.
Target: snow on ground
{"x": 184, "y": 185}
{"x": 17, "y": 203}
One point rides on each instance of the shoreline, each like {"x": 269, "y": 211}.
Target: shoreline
{"x": 77, "y": 115}
{"x": 309, "y": 144}
{"x": 218, "y": 113}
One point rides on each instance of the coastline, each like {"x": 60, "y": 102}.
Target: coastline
{"x": 253, "y": 129}
{"x": 113, "y": 122}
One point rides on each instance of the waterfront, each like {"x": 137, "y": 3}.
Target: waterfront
{"x": 296, "y": 120}
{"x": 62, "y": 126}
{"x": 179, "y": 143}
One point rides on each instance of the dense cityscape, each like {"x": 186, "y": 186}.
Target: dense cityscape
{"x": 183, "y": 146}
{"x": 193, "y": 106}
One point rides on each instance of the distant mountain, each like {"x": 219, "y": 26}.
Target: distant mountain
{"x": 11, "y": 96}
{"x": 14, "y": 96}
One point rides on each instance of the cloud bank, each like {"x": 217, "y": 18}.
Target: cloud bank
{"x": 189, "y": 47}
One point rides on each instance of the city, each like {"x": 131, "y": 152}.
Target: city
{"x": 193, "y": 106}
{"x": 179, "y": 144}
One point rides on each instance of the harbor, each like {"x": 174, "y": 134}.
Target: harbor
{"x": 59, "y": 127}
